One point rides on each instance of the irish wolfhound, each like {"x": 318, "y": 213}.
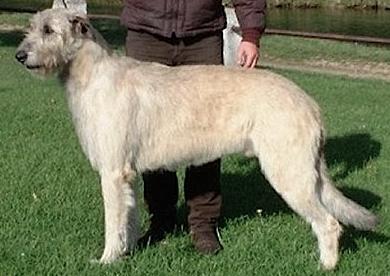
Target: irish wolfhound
{"x": 134, "y": 116}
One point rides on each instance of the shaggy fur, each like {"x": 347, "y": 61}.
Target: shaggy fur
{"x": 132, "y": 116}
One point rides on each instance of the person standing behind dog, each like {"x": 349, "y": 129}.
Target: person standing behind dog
{"x": 181, "y": 32}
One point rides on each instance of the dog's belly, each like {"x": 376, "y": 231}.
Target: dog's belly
{"x": 189, "y": 150}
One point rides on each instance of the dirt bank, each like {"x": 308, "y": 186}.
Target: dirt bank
{"x": 355, "y": 69}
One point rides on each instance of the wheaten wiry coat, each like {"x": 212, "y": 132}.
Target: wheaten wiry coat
{"x": 132, "y": 116}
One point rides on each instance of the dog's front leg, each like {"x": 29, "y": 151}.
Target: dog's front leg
{"x": 120, "y": 214}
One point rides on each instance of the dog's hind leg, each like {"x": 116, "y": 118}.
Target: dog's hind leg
{"x": 293, "y": 172}
{"x": 120, "y": 214}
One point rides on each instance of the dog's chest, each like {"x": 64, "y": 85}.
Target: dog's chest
{"x": 84, "y": 107}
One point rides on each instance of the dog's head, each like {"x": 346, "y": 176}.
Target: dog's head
{"x": 52, "y": 40}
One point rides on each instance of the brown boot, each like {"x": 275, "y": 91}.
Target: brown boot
{"x": 206, "y": 242}
{"x": 160, "y": 194}
{"x": 203, "y": 197}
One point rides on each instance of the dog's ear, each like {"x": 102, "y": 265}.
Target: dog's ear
{"x": 80, "y": 26}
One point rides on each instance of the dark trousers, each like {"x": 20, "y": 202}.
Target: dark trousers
{"x": 202, "y": 184}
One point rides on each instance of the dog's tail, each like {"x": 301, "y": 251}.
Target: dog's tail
{"x": 341, "y": 207}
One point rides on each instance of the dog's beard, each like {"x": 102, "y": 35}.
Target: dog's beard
{"x": 47, "y": 66}
{"x": 42, "y": 72}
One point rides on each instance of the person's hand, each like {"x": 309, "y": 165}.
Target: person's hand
{"x": 248, "y": 54}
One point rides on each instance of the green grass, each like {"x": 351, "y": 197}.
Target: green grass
{"x": 19, "y": 19}
{"x": 51, "y": 219}
{"x": 294, "y": 48}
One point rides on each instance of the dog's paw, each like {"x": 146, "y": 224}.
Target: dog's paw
{"x": 110, "y": 256}
{"x": 107, "y": 260}
{"x": 329, "y": 263}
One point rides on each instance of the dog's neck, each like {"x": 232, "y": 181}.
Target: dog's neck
{"x": 89, "y": 53}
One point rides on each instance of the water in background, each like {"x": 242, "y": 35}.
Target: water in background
{"x": 340, "y": 21}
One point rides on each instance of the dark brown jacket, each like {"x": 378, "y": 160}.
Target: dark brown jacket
{"x": 183, "y": 18}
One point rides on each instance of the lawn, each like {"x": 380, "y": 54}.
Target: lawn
{"x": 52, "y": 213}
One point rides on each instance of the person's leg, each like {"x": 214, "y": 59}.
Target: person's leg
{"x": 160, "y": 195}
{"x": 160, "y": 187}
{"x": 203, "y": 196}
{"x": 202, "y": 184}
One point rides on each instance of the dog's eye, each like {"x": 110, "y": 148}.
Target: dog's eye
{"x": 47, "y": 30}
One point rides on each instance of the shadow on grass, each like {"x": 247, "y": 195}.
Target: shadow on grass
{"x": 350, "y": 236}
{"x": 244, "y": 194}
{"x": 352, "y": 151}
{"x": 10, "y": 38}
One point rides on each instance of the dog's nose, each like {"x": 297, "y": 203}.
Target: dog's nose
{"x": 21, "y": 56}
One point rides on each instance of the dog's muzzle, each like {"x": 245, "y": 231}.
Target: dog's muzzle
{"x": 21, "y": 56}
